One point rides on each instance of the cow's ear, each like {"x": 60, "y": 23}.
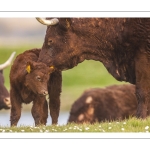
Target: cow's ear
{"x": 28, "y": 67}
{"x": 51, "y": 69}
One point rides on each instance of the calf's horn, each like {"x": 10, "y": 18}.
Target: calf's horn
{"x": 48, "y": 22}
{"x": 8, "y": 62}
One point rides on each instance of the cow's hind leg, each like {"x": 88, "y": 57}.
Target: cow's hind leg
{"x": 142, "y": 66}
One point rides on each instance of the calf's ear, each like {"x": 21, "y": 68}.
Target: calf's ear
{"x": 51, "y": 69}
{"x": 28, "y": 67}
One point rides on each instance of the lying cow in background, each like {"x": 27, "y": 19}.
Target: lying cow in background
{"x": 115, "y": 102}
{"x": 4, "y": 94}
{"x": 29, "y": 81}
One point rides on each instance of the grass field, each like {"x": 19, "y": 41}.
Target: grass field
{"x": 125, "y": 126}
{"x": 86, "y": 75}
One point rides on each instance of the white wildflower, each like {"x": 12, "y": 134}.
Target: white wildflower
{"x": 80, "y": 129}
{"x": 122, "y": 129}
{"x": 147, "y": 127}
{"x": 109, "y": 128}
{"x": 22, "y": 130}
{"x": 124, "y": 123}
{"x": 87, "y": 128}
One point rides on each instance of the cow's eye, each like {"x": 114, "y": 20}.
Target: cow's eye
{"x": 50, "y": 41}
{"x": 38, "y": 78}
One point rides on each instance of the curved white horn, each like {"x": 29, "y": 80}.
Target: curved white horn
{"x": 8, "y": 62}
{"x": 48, "y": 22}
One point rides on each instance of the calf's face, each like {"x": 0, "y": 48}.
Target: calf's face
{"x": 37, "y": 77}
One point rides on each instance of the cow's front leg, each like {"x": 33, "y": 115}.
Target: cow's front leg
{"x": 142, "y": 68}
{"x": 54, "y": 109}
{"x": 40, "y": 111}
{"x": 54, "y": 90}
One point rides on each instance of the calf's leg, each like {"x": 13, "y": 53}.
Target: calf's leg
{"x": 40, "y": 111}
{"x": 45, "y": 113}
{"x": 15, "y": 108}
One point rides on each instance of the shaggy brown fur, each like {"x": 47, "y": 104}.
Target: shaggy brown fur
{"x": 115, "y": 102}
{"x": 4, "y": 94}
{"x": 121, "y": 44}
{"x": 29, "y": 81}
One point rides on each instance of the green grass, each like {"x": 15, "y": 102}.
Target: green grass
{"x": 126, "y": 126}
{"x": 87, "y": 74}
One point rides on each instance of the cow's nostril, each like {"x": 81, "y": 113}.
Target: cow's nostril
{"x": 6, "y": 100}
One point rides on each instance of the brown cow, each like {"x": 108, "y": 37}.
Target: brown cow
{"x": 121, "y": 44}
{"x": 115, "y": 102}
{"x": 4, "y": 94}
{"x": 29, "y": 81}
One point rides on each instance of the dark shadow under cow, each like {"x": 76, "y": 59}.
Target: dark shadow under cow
{"x": 116, "y": 102}
{"x": 31, "y": 81}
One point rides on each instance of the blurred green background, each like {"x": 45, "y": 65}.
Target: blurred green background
{"x": 21, "y": 34}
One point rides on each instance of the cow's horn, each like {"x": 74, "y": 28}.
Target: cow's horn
{"x": 8, "y": 62}
{"x": 48, "y": 22}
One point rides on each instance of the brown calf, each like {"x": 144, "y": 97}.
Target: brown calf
{"x": 115, "y": 102}
{"x": 30, "y": 81}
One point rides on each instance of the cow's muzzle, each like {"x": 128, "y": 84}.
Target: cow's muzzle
{"x": 44, "y": 92}
{"x": 7, "y": 102}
